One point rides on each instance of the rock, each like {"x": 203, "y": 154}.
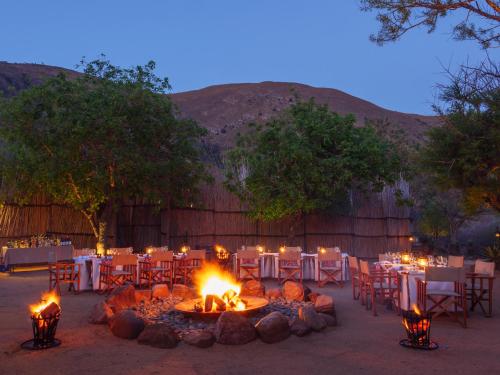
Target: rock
{"x": 201, "y": 338}
{"x": 311, "y": 318}
{"x": 159, "y": 336}
{"x": 253, "y": 288}
{"x": 330, "y": 320}
{"x": 142, "y": 296}
{"x": 160, "y": 291}
{"x": 293, "y": 291}
{"x": 312, "y": 297}
{"x": 126, "y": 324}
{"x": 273, "y": 293}
{"x": 299, "y": 328}
{"x": 233, "y": 329}
{"x": 122, "y": 298}
{"x": 324, "y": 304}
{"x": 307, "y": 292}
{"x": 101, "y": 313}
{"x": 182, "y": 291}
{"x": 273, "y": 327}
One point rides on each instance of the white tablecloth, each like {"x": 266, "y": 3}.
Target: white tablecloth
{"x": 87, "y": 281}
{"x": 269, "y": 266}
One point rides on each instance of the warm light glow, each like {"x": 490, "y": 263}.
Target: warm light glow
{"x": 422, "y": 262}
{"x": 184, "y": 249}
{"x": 211, "y": 280}
{"x": 405, "y": 258}
{"x": 282, "y": 249}
{"x": 47, "y": 299}
{"x": 411, "y": 239}
{"x": 260, "y": 249}
{"x": 416, "y": 309}
{"x": 322, "y": 250}
{"x": 149, "y": 250}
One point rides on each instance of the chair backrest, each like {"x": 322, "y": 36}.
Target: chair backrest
{"x": 120, "y": 250}
{"x": 250, "y": 252}
{"x": 329, "y": 254}
{"x": 484, "y": 268}
{"x": 124, "y": 260}
{"x": 83, "y": 252}
{"x": 162, "y": 256}
{"x": 196, "y": 255}
{"x": 353, "y": 262}
{"x": 364, "y": 267}
{"x": 384, "y": 258}
{"x": 290, "y": 253}
{"x": 455, "y": 261}
{"x": 452, "y": 274}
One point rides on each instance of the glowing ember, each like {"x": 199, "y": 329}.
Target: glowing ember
{"x": 47, "y": 299}
{"x": 219, "y": 290}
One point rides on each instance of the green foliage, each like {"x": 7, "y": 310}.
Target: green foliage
{"x": 492, "y": 253}
{"x": 93, "y": 141}
{"x": 473, "y": 20}
{"x": 308, "y": 159}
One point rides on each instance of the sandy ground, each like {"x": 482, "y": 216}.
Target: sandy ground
{"x": 362, "y": 344}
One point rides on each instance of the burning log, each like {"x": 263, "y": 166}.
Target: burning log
{"x": 50, "y": 311}
{"x": 209, "y": 301}
{"x": 221, "y": 305}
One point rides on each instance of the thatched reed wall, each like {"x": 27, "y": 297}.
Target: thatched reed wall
{"x": 376, "y": 225}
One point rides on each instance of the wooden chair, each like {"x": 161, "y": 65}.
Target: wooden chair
{"x": 442, "y": 301}
{"x": 83, "y": 252}
{"x": 329, "y": 266}
{"x": 480, "y": 286}
{"x": 384, "y": 258}
{"x": 113, "y": 276}
{"x": 355, "y": 276}
{"x": 379, "y": 283}
{"x": 455, "y": 261}
{"x": 290, "y": 263}
{"x": 248, "y": 261}
{"x": 193, "y": 261}
{"x": 158, "y": 269}
{"x": 120, "y": 251}
{"x": 64, "y": 273}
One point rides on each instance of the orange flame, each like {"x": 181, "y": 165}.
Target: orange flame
{"x": 46, "y": 300}
{"x": 416, "y": 309}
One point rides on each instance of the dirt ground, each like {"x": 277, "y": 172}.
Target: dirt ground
{"x": 361, "y": 344}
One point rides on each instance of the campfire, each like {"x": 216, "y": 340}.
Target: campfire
{"x": 219, "y": 292}
{"x": 418, "y": 330}
{"x": 44, "y": 317}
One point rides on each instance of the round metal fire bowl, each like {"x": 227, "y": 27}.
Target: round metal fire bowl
{"x": 408, "y": 344}
{"x": 30, "y": 345}
{"x": 187, "y": 307}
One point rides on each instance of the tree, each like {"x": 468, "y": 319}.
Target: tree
{"x": 308, "y": 159}
{"x": 92, "y": 141}
{"x": 479, "y": 20}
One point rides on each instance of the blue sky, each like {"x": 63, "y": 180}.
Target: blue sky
{"x": 198, "y": 43}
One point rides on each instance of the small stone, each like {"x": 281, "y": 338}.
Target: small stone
{"x": 312, "y": 318}
{"x": 126, "y": 324}
{"x": 200, "y": 338}
{"x": 159, "y": 336}
{"x": 273, "y": 328}
{"x": 253, "y": 288}
{"x": 293, "y": 291}
{"x": 160, "y": 291}
{"x": 101, "y": 313}
{"x": 122, "y": 298}
{"x": 299, "y": 328}
{"x": 331, "y": 321}
{"x": 234, "y": 329}
{"x": 324, "y": 304}
{"x": 274, "y": 293}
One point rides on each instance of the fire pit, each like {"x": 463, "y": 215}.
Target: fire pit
{"x": 418, "y": 329}
{"x": 44, "y": 318}
{"x": 219, "y": 293}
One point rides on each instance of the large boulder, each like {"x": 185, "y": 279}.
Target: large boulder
{"x": 324, "y": 304}
{"x": 101, "y": 313}
{"x": 159, "y": 336}
{"x": 253, "y": 288}
{"x": 160, "y": 291}
{"x": 183, "y": 292}
{"x": 200, "y": 339}
{"x": 299, "y": 328}
{"x": 311, "y": 318}
{"x": 293, "y": 291}
{"x": 234, "y": 329}
{"x": 273, "y": 293}
{"x": 312, "y": 297}
{"x": 273, "y": 327}
{"x": 126, "y": 324}
{"x": 122, "y": 298}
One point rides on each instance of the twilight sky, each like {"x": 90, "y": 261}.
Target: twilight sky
{"x": 197, "y": 43}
